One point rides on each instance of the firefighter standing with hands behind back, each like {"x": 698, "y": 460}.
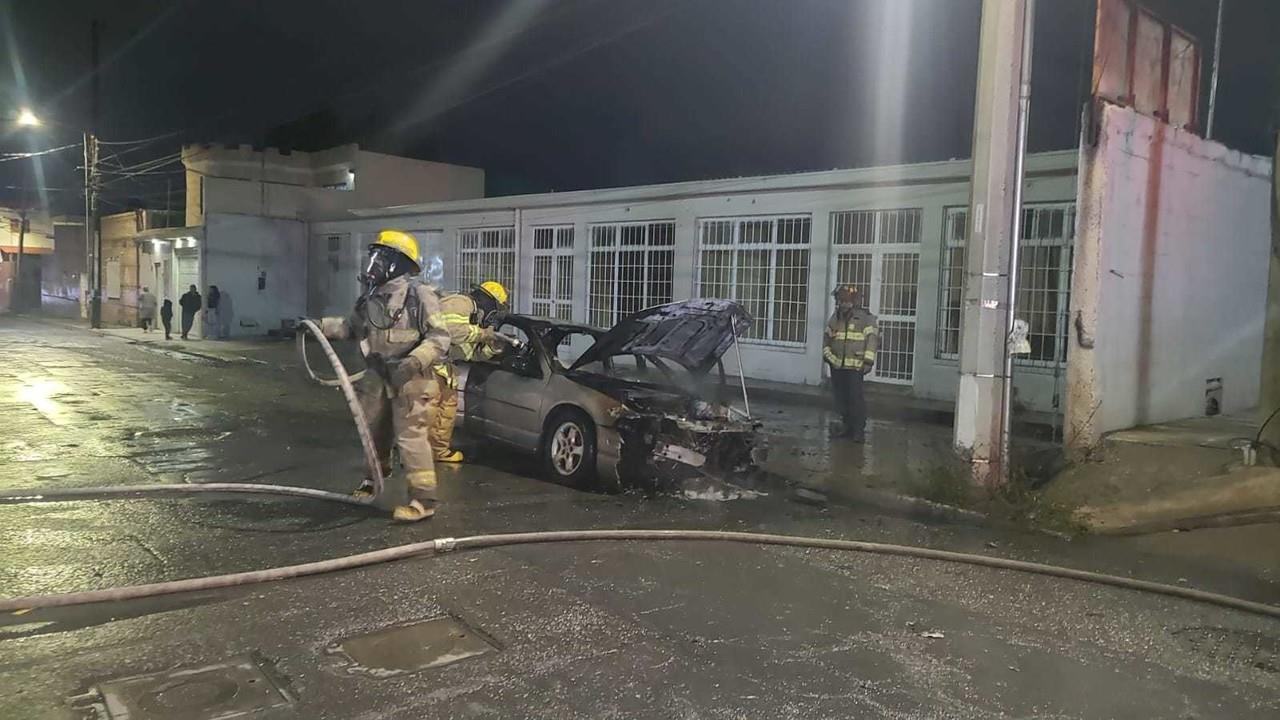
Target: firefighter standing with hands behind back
{"x": 849, "y": 349}
{"x": 405, "y": 342}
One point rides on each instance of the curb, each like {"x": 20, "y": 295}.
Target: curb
{"x": 1195, "y": 522}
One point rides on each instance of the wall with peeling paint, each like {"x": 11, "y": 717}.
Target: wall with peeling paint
{"x": 1170, "y": 276}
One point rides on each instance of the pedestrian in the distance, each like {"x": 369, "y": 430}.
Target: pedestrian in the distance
{"x": 190, "y": 303}
{"x": 166, "y": 318}
{"x": 213, "y": 303}
{"x": 146, "y": 309}
{"x": 849, "y": 348}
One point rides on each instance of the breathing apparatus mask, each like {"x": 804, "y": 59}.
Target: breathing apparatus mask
{"x": 487, "y": 307}
{"x": 385, "y": 264}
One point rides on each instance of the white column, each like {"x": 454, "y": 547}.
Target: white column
{"x": 992, "y": 205}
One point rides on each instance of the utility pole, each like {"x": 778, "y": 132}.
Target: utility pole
{"x": 1271, "y": 339}
{"x": 16, "y": 302}
{"x": 1213, "y": 82}
{"x": 92, "y": 238}
{"x": 984, "y": 407}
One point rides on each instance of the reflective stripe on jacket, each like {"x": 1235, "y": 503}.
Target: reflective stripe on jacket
{"x": 850, "y": 342}
{"x": 467, "y": 339}
{"x": 401, "y": 319}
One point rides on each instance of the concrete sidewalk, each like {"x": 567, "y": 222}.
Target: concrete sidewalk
{"x": 1180, "y": 475}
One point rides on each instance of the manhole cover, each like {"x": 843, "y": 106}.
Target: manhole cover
{"x": 212, "y": 692}
{"x": 1236, "y": 647}
{"x": 410, "y": 648}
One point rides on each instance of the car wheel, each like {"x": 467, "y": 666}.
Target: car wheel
{"x": 569, "y": 448}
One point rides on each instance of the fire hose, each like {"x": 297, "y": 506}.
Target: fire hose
{"x": 440, "y": 546}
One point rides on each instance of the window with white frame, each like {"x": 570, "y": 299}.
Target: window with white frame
{"x": 878, "y": 252}
{"x": 1044, "y": 280}
{"x": 487, "y": 254}
{"x": 631, "y": 268}
{"x": 553, "y": 272}
{"x": 763, "y": 263}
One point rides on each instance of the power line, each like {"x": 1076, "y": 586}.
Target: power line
{"x": 143, "y": 140}
{"x": 9, "y": 157}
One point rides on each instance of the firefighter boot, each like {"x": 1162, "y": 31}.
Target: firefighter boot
{"x": 413, "y": 512}
{"x": 449, "y": 456}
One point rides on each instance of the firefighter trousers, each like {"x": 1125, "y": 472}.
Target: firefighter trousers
{"x": 442, "y": 424}
{"x": 404, "y": 421}
{"x": 846, "y": 389}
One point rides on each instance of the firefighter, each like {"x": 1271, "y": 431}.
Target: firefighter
{"x": 405, "y": 342}
{"x": 471, "y": 319}
{"x": 849, "y": 349}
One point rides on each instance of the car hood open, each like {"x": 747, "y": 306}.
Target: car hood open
{"x": 691, "y": 333}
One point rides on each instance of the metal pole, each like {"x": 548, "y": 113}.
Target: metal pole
{"x": 16, "y": 301}
{"x": 1019, "y": 174}
{"x": 88, "y": 243}
{"x": 92, "y": 236}
{"x": 742, "y": 376}
{"x": 1213, "y": 82}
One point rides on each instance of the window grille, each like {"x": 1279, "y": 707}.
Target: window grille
{"x": 631, "y": 268}
{"x": 487, "y": 254}
{"x": 553, "y": 272}
{"x": 763, "y": 263}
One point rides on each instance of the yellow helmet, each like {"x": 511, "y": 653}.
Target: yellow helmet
{"x": 401, "y": 241}
{"x": 494, "y": 289}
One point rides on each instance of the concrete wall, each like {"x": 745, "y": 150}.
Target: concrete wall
{"x": 260, "y": 266}
{"x": 61, "y": 277}
{"x": 120, "y": 262}
{"x": 1170, "y": 276}
{"x": 933, "y": 188}
{"x": 268, "y": 183}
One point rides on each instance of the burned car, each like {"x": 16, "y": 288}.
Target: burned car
{"x": 638, "y": 408}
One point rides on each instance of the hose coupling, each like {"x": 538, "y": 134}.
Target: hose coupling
{"x": 444, "y": 545}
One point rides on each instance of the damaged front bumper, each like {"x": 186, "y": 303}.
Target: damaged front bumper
{"x": 661, "y": 452}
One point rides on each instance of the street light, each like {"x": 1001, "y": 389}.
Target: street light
{"x": 28, "y": 118}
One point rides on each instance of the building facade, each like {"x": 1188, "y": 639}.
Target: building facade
{"x": 778, "y": 245}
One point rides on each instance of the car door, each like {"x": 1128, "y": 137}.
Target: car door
{"x": 510, "y": 399}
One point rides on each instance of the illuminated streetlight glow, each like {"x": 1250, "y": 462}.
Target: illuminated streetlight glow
{"x": 27, "y": 118}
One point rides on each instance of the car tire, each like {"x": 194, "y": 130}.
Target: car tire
{"x": 569, "y": 448}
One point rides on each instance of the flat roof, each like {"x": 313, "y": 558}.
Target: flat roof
{"x": 1062, "y": 162}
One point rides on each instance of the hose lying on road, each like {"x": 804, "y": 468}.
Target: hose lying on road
{"x": 443, "y": 545}
{"x": 372, "y": 466}
{"x": 89, "y": 493}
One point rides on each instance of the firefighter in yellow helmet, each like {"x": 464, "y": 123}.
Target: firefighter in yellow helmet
{"x": 471, "y": 319}
{"x": 405, "y": 342}
{"x": 849, "y": 349}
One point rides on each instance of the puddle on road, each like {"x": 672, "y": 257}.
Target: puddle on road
{"x": 410, "y": 648}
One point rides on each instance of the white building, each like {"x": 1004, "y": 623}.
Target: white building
{"x": 1148, "y": 309}
{"x": 247, "y": 217}
{"x": 777, "y": 244}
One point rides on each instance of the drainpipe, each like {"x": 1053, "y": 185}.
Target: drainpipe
{"x": 1213, "y": 82}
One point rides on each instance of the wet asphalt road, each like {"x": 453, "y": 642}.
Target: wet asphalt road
{"x": 588, "y": 630}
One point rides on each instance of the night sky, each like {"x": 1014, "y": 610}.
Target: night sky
{"x": 561, "y": 95}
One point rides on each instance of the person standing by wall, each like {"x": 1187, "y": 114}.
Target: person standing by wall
{"x": 146, "y": 309}
{"x": 166, "y": 318}
{"x": 213, "y": 303}
{"x": 190, "y": 303}
{"x": 849, "y": 349}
